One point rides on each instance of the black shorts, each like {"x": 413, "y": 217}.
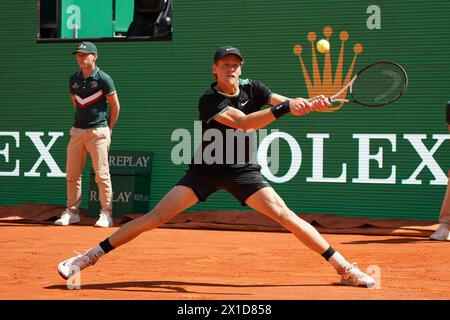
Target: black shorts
{"x": 241, "y": 185}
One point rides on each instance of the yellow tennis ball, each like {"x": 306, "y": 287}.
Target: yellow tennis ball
{"x": 323, "y": 46}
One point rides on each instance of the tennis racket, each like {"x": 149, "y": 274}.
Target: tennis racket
{"x": 377, "y": 85}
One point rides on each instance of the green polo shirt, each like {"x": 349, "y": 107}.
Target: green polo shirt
{"x": 90, "y": 96}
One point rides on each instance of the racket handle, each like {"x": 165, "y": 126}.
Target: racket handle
{"x": 337, "y": 100}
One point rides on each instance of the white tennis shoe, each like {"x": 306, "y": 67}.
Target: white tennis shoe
{"x": 352, "y": 276}
{"x": 104, "y": 221}
{"x": 442, "y": 233}
{"x": 67, "y": 218}
{"x": 72, "y": 266}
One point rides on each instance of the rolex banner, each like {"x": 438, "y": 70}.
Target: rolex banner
{"x": 386, "y": 162}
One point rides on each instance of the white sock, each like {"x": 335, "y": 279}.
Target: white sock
{"x": 338, "y": 262}
{"x": 95, "y": 253}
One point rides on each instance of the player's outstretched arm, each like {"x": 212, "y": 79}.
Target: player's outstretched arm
{"x": 319, "y": 103}
{"x": 276, "y": 98}
{"x": 236, "y": 119}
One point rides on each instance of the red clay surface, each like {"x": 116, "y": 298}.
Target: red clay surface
{"x": 174, "y": 264}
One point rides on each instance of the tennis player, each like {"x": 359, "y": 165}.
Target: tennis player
{"x": 442, "y": 233}
{"x": 231, "y": 103}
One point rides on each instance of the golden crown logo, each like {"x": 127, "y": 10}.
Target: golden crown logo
{"x": 327, "y": 85}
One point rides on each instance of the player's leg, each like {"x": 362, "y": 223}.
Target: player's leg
{"x": 75, "y": 163}
{"x": 97, "y": 144}
{"x": 442, "y": 233}
{"x": 178, "y": 199}
{"x": 268, "y": 202}
{"x": 190, "y": 189}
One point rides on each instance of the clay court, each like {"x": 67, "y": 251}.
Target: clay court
{"x": 172, "y": 264}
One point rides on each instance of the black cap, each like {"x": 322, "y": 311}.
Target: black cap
{"x": 224, "y": 51}
{"x": 86, "y": 47}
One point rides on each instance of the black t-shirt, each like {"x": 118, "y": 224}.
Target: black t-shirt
{"x": 225, "y": 150}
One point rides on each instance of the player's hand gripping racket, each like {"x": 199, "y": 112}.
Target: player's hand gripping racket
{"x": 377, "y": 85}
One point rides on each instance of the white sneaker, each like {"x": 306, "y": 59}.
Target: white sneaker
{"x": 72, "y": 266}
{"x": 441, "y": 234}
{"x": 352, "y": 276}
{"x": 67, "y": 218}
{"x": 104, "y": 221}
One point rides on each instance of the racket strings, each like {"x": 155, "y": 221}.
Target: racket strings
{"x": 380, "y": 84}
{"x": 394, "y": 88}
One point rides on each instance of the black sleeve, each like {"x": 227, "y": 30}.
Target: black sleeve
{"x": 210, "y": 106}
{"x": 261, "y": 93}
